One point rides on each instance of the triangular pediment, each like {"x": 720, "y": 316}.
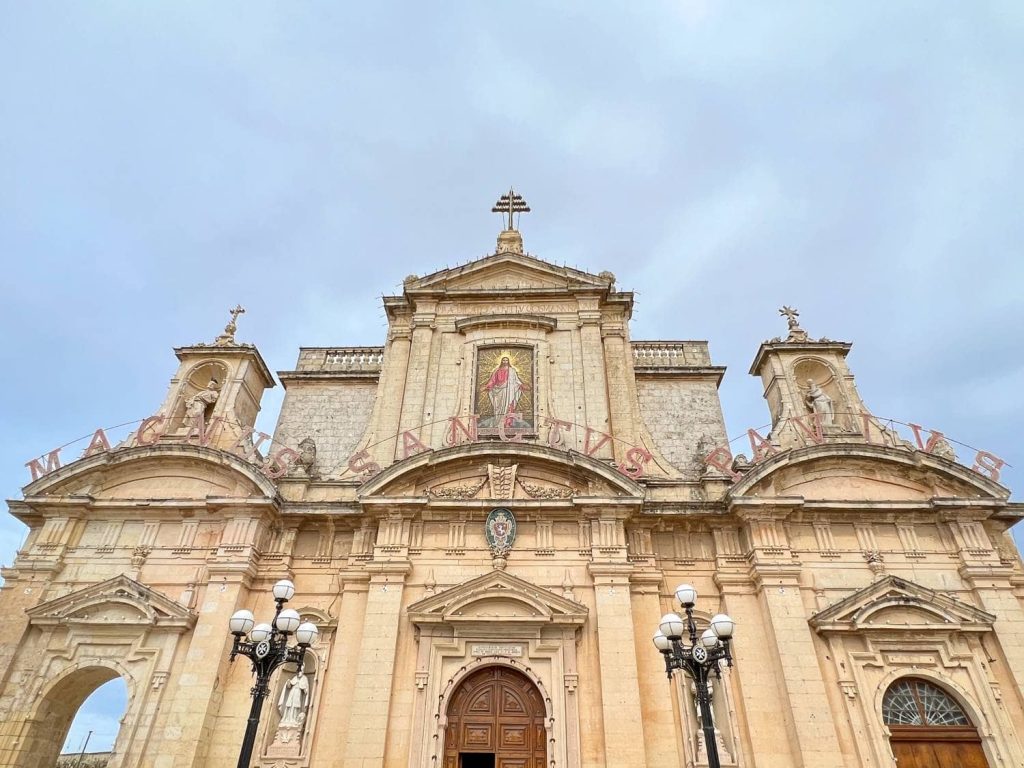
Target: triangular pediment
{"x": 118, "y": 602}
{"x": 509, "y": 272}
{"x": 894, "y": 604}
{"x": 497, "y": 597}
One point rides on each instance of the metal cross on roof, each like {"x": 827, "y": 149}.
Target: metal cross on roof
{"x": 510, "y": 203}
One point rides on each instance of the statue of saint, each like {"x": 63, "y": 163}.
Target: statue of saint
{"x": 820, "y": 403}
{"x": 293, "y": 701}
{"x": 198, "y": 404}
{"x": 504, "y": 389}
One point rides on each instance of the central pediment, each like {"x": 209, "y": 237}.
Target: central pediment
{"x": 479, "y": 473}
{"x": 497, "y": 597}
{"x": 509, "y": 272}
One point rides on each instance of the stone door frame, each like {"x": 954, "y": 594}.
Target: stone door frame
{"x": 458, "y": 633}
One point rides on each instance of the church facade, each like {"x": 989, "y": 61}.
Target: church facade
{"x": 487, "y": 517}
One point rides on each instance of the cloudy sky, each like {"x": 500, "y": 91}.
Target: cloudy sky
{"x": 160, "y": 162}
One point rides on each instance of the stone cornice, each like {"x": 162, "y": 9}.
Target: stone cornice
{"x": 842, "y": 348}
{"x": 526, "y": 320}
{"x": 236, "y": 350}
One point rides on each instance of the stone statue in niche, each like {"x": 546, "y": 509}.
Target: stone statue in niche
{"x": 202, "y": 401}
{"x": 820, "y": 403}
{"x": 292, "y": 705}
{"x": 723, "y": 750}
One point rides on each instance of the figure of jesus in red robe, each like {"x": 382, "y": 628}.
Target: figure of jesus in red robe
{"x": 504, "y": 389}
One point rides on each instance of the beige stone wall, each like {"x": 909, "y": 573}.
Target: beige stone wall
{"x": 846, "y": 564}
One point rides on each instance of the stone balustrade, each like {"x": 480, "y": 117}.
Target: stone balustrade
{"x": 670, "y": 354}
{"x": 341, "y": 359}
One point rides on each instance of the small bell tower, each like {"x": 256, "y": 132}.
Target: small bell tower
{"x": 214, "y": 397}
{"x": 810, "y": 389}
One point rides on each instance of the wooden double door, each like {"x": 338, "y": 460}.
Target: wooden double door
{"x": 496, "y": 720}
{"x": 937, "y": 748}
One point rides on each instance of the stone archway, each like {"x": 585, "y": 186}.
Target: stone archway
{"x": 48, "y": 727}
{"x": 496, "y": 720}
{"x": 928, "y": 727}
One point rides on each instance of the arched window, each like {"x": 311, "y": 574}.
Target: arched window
{"x": 912, "y": 701}
{"x": 928, "y": 727}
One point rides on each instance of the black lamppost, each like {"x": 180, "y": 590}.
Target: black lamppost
{"x": 267, "y": 648}
{"x": 698, "y": 660}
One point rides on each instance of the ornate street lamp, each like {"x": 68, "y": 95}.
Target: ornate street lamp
{"x": 267, "y": 647}
{"x": 699, "y": 659}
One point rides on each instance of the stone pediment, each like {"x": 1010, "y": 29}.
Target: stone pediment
{"x": 509, "y": 272}
{"x": 118, "y": 602}
{"x": 859, "y": 472}
{"x": 164, "y": 471}
{"x": 497, "y": 598}
{"x": 496, "y": 471}
{"x": 894, "y": 604}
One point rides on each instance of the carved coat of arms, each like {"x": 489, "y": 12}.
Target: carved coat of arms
{"x": 500, "y": 530}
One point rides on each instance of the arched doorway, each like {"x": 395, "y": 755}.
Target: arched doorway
{"x": 55, "y": 712}
{"x": 929, "y": 728}
{"x": 496, "y": 720}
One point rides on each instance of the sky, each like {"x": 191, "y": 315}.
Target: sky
{"x": 160, "y": 162}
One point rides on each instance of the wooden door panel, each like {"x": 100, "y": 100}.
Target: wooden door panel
{"x": 477, "y": 737}
{"x": 498, "y": 711}
{"x": 937, "y": 754}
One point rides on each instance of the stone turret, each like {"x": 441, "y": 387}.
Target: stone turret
{"x": 810, "y": 390}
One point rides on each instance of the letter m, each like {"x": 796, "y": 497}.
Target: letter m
{"x": 38, "y": 468}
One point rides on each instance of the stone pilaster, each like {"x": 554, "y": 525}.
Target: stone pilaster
{"x": 810, "y": 722}
{"x": 620, "y": 689}
{"x": 661, "y": 737}
{"x": 375, "y": 667}
{"x": 195, "y": 700}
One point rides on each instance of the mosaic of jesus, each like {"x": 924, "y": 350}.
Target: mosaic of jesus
{"x": 504, "y": 388}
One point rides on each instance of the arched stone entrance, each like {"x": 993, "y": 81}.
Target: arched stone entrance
{"x": 43, "y": 737}
{"x": 928, "y": 728}
{"x": 496, "y": 720}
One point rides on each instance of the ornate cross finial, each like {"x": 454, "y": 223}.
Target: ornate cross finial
{"x": 510, "y": 203}
{"x": 228, "y": 337}
{"x": 796, "y": 333}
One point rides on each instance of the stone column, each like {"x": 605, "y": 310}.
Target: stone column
{"x": 620, "y": 689}
{"x": 392, "y": 392}
{"x": 621, "y": 396}
{"x": 595, "y": 389}
{"x": 809, "y": 714}
{"x": 339, "y": 679}
{"x": 416, "y": 375}
{"x": 194, "y": 703}
{"x": 661, "y": 738}
{"x": 375, "y": 666}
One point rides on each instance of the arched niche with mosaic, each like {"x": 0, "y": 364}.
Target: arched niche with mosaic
{"x": 504, "y": 389}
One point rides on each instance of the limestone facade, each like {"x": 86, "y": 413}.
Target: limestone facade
{"x": 849, "y": 557}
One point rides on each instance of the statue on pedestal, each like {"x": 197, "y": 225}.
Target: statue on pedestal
{"x": 291, "y": 705}
{"x": 820, "y": 403}
{"x": 198, "y": 404}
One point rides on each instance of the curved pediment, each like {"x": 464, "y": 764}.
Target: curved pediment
{"x": 173, "y": 471}
{"x": 863, "y": 472}
{"x": 497, "y": 597}
{"x": 499, "y": 471}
